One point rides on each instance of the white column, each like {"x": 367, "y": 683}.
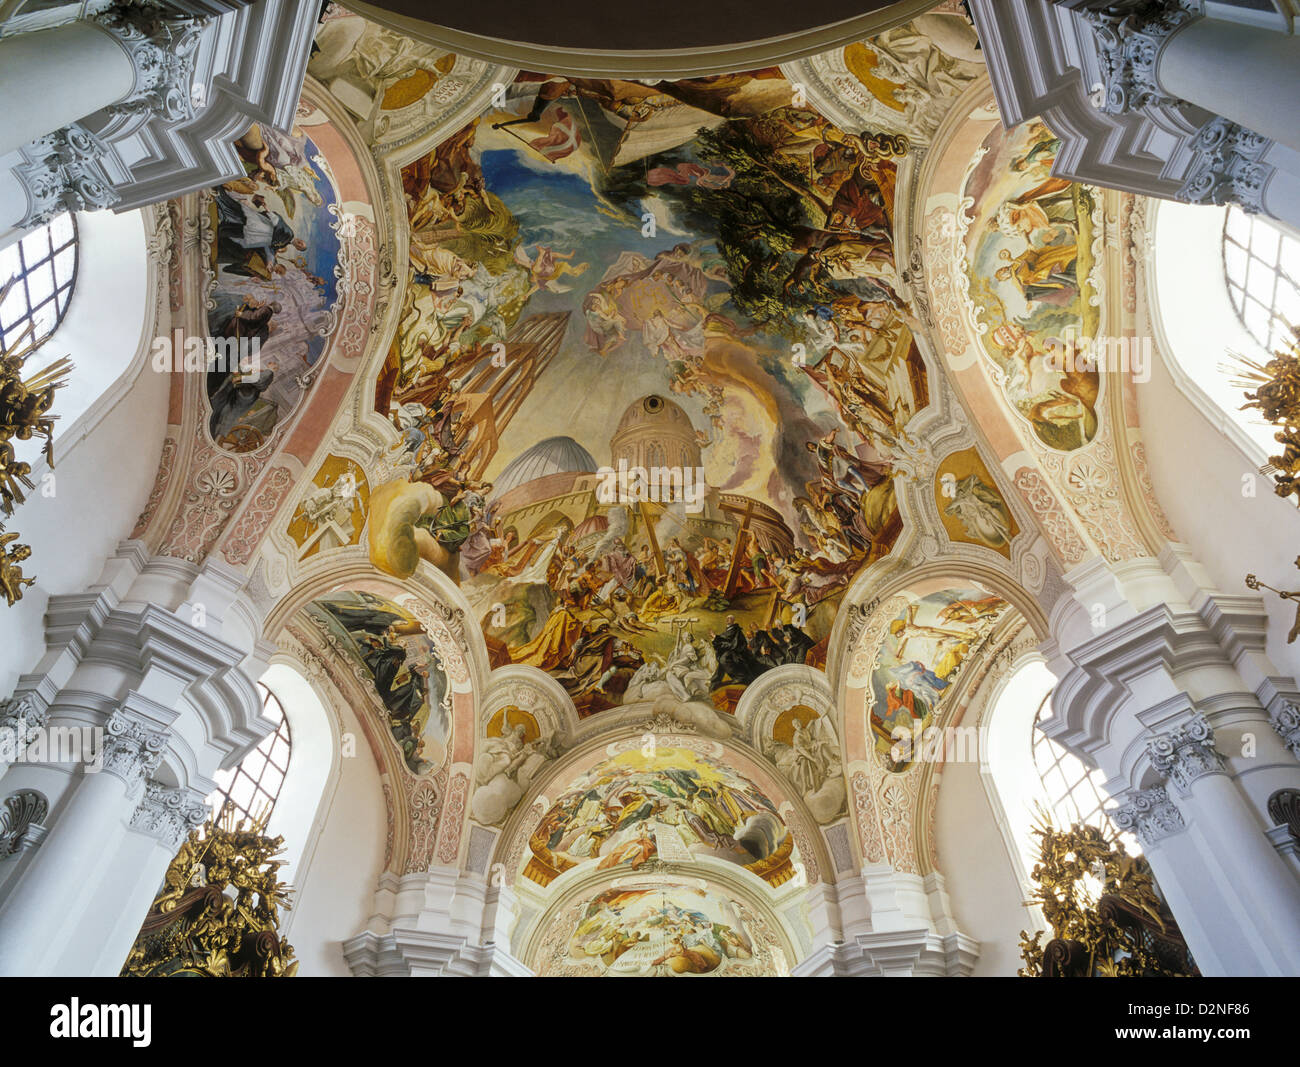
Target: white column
{"x": 1244, "y": 73}
{"x": 174, "y": 702}
{"x": 37, "y": 916}
{"x": 1235, "y": 899}
{"x": 50, "y": 79}
{"x": 159, "y": 824}
{"x": 1171, "y": 703}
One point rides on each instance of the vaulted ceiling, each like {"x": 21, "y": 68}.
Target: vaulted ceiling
{"x": 641, "y": 456}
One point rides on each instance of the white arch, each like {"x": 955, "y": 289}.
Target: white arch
{"x": 313, "y": 772}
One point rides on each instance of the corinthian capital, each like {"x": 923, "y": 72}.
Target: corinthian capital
{"x": 1129, "y": 35}
{"x": 64, "y": 171}
{"x": 1150, "y": 814}
{"x": 132, "y": 749}
{"x": 20, "y": 716}
{"x": 169, "y": 814}
{"x": 161, "y": 45}
{"x": 1186, "y": 754}
{"x": 1286, "y": 721}
{"x": 1228, "y": 167}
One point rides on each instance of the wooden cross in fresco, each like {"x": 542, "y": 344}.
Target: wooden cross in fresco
{"x": 737, "y": 550}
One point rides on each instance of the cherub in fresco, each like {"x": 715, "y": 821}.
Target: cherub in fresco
{"x": 606, "y": 325}
{"x": 273, "y": 160}
{"x": 976, "y": 613}
{"x": 546, "y": 267}
{"x": 255, "y": 155}
{"x": 1021, "y": 361}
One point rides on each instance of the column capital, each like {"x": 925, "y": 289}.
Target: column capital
{"x": 19, "y": 716}
{"x": 1286, "y": 721}
{"x": 169, "y": 814}
{"x": 1149, "y": 814}
{"x": 1129, "y": 35}
{"x": 133, "y": 747}
{"x": 161, "y": 45}
{"x": 64, "y": 171}
{"x": 1228, "y": 167}
{"x": 1186, "y": 754}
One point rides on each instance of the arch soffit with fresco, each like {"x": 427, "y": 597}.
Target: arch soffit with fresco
{"x": 1093, "y": 499}
{"x": 211, "y": 501}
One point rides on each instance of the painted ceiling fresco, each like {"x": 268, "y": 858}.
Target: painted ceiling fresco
{"x": 274, "y": 261}
{"x": 663, "y": 930}
{"x": 1030, "y": 250}
{"x": 403, "y": 667}
{"x": 651, "y": 373}
{"x": 671, "y": 805}
{"x": 970, "y": 506}
{"x": 909, "y": 71}
{"x": 922, "y": 652}
{"x": 645, "y": 390}
{"x": 387, "y": 82}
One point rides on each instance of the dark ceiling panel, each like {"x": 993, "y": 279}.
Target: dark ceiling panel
{"x": 609, "y": 25}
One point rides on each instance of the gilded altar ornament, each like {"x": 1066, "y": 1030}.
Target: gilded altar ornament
{"x": 1276, "y": 396}
{"x": 218, "y": 912}
{"x": 1107, "y": 917}
{"x": 12, "y": 556}
{"x": 24, "y": 410}
{"x": 1294, "y": 594}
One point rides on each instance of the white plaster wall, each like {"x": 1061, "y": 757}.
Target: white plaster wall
{"x": 105, "y": 450}
{"x": 335, "y": 884}
{"x": 982, "y": 887}
{"x": 1200, "y": 450}
{"x": 1197, "y": 473}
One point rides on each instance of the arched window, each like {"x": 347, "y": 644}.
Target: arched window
{"x": 40, "y": 272}
{"x": 1027, "y": 773}
{"x": 1261, "y": 264}
{"x": 1074, "y": 793}
{"x": 1220, "y": 285}
{"x": 254, "y": 785}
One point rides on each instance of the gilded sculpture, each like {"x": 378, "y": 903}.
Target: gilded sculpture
{"x": 1276, "y": 396}
{"x": 24, "y": 411}
{"x": 1106, "y": 915}
{"x": 218, "y": 912}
